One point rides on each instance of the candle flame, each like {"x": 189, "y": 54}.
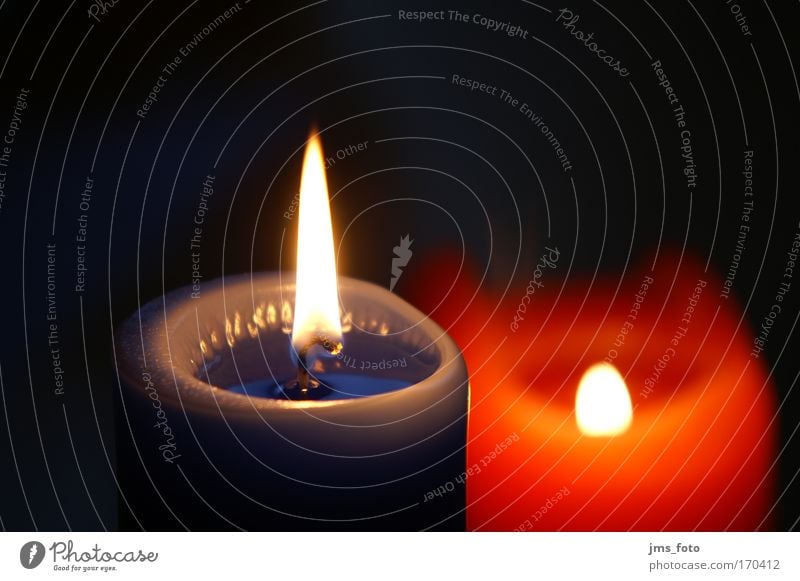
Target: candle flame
{"x": 316, "y": 308}
{"x": 603, "y": 404}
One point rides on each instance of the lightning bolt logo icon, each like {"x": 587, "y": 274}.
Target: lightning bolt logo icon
{"x": 402, "y": 254}
{"x": 31, "y": 554}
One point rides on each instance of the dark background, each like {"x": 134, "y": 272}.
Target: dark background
{"x": 461, "y": 168}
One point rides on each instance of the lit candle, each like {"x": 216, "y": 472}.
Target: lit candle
{"x": 349, "y": 423}
{"x": 639, "y": 409}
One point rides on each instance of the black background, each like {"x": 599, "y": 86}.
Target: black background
{"x": 248, "y": 95}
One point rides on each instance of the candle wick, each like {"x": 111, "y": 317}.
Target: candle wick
{"x": 305, "y": 383}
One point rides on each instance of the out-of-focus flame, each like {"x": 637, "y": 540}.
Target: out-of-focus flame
{"x": 316, "y": 309}
{"x": 603, "y": 404}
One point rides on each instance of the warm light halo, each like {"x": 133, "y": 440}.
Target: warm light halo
{"x": 316, "y": 308}
{"x": 602, "y": 402}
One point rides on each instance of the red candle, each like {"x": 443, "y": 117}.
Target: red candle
{"x": 693, "y": 451}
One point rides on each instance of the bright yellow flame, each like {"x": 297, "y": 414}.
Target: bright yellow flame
{"x": 603, "y": 404}
{"x": 316, "y": 307}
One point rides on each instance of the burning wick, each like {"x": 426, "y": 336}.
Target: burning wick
{"x": 306, "y": 386}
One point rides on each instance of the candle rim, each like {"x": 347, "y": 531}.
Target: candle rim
{"x": 173, "y": 307}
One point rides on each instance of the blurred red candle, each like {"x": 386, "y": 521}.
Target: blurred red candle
{"x": 681, "y": 438}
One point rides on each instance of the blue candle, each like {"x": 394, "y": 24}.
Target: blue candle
{"x": 303, "y": 416}
{"x": 365, "y": 457}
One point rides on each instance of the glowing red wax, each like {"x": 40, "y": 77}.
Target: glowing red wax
{"x": 699, "y": 454}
